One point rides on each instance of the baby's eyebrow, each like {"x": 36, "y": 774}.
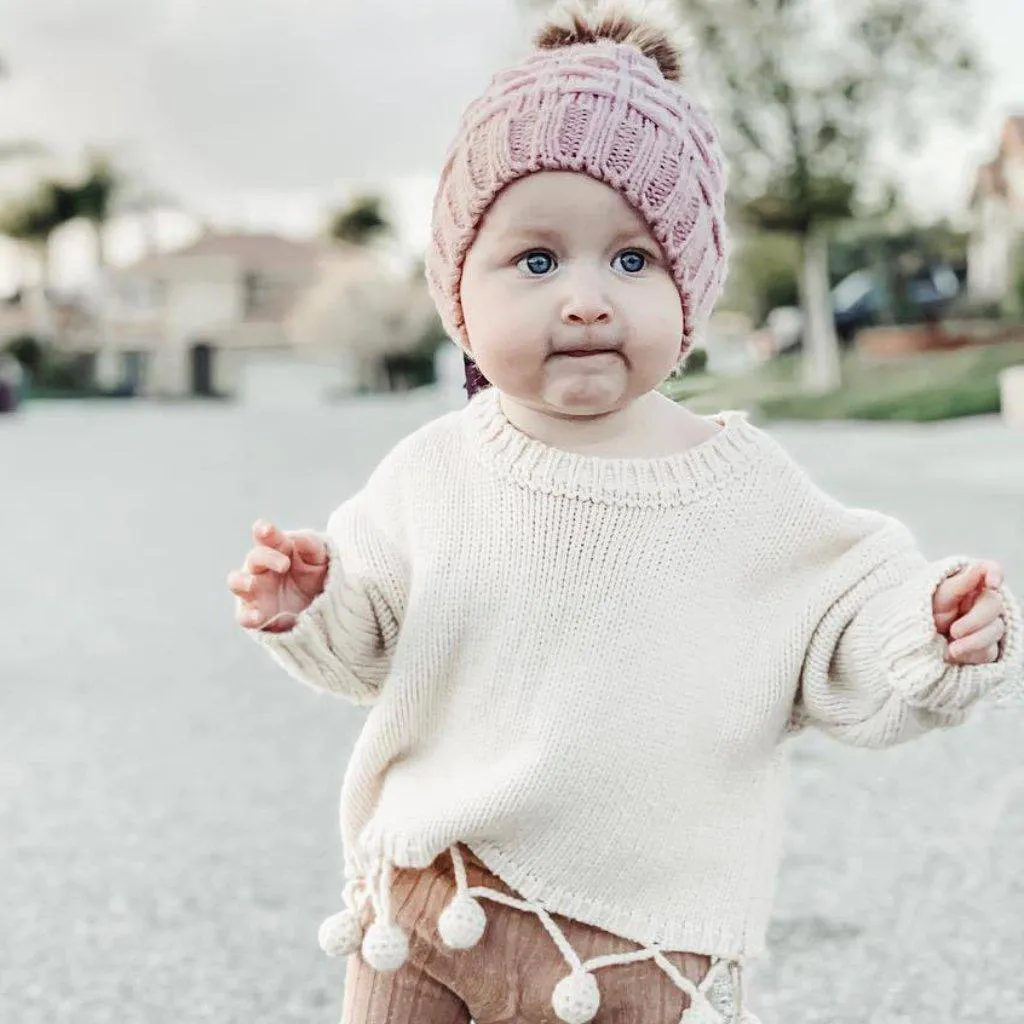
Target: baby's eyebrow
{"x": 632, "y": 235}
{"x": 526, "y": 232}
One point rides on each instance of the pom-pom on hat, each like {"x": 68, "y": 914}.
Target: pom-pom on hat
{"x": 602, "y": 94}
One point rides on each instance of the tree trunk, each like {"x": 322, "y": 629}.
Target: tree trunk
{"x": 35, "y": 297}
{"x": 821, "y": 371}
{"x": 100, "y": 227}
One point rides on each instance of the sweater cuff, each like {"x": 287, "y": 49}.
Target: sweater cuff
{"x": 306, "y": 652}
{"x": 913, "y": 652}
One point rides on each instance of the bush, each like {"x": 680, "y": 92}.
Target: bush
{"x": 51, "y": 373}
{"x": 967, "y": 308}
{"x": 765, "y": 273}
{"x": 28, "y": 350}
{"x": 696, "y": 361}
{"x": 410, "y": 369}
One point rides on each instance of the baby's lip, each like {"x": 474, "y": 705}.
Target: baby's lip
{"x": 582, "y": 352}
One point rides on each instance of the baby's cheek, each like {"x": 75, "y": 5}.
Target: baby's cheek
{"x": 512, "y": 348}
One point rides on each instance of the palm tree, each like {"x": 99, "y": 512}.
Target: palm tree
{"x": 360, "y": 221}
{"x": 94, "y": 199}
{"x": 107, "y": 191}
{"x": 32, "y": 220}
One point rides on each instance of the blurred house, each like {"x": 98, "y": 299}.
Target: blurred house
{"x": 997, "y": 210}
{"x": 185, "y": 322}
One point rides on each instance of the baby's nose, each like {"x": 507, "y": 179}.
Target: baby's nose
{"x": 585, "y": 310}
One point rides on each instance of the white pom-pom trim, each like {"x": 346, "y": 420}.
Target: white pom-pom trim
{"x": 341, "y": 934}
{"x": 577, "y": 998}
{"x": 463, "y": 922}
{"x": 385, "y": 947}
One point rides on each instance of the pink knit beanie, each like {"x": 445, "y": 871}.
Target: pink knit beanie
{"x": 600, "y": 96}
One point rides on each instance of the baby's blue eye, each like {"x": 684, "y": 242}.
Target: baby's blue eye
{"x": 632, "y": 261}
{"x": 537, "y": 263}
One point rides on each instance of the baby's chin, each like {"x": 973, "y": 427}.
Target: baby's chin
{"x": 584, "y": 391}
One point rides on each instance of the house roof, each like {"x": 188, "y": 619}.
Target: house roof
{"x": 251, "y": 250}
{"x": 306, "y": 260}
{"x": 990, "y": 180}
{"x": 256, "y": 248}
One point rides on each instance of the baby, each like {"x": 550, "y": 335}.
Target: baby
{"x": 586, "y": 620}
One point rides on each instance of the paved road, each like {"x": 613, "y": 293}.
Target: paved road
{"x": 168, "y": 797}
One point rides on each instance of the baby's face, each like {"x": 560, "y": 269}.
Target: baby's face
{"x": 562, "y": 264}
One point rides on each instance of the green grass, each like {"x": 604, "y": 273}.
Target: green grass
{"x": 928, "y": 387}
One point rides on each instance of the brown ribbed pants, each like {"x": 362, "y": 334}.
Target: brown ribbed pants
{"x": 510, "y": 975}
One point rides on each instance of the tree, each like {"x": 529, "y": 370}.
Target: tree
{"x": 362, "y": 309}
{"x": 807, "y": 94}
{"x": 810, "y": 93}
{"x": 360, "y": 221}
{"x": 763, "y": 274}
{"x": 383, "y": 322}
{"x": 95, "y": 196}
{"x": 33, "y": 218}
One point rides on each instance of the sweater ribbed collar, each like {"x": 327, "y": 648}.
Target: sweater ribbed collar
{"x": 663, "y": 480}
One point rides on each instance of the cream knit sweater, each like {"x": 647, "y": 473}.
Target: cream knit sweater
{"x": 585, "y": 668}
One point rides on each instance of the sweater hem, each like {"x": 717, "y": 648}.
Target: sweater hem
{"x": 692, "y": 936}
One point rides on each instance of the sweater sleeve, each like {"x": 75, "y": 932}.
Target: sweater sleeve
{"x": 875, "y": 672}
{"x": 343, "y": 642}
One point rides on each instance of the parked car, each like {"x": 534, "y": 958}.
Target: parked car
{"x": 858, "y": 301}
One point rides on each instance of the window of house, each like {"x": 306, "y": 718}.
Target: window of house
{"x": 255, "y": 293}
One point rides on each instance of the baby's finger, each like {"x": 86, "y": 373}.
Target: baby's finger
{"x": 978, "y": 642}
{"x": 986, "y": 609}
{"x": 263, "y": 559}
{"x": 253, "y": 589}
{"x": 955, "y": 588}
{"x": 269, "y": 535}
{"x": 239, "y": 583}
{"x": 248, "y": 615}
{"x": 984, "y": 657}
{"x": 994, "y": 575}
{"x": 310, "y": 548}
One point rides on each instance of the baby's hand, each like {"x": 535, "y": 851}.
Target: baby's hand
{"x": 969, "y": 612}
{"x": 283, "y": 573}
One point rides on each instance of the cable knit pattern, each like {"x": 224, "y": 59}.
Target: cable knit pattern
{"x": 586, "y": 669}
{"x": 603, "y": 109}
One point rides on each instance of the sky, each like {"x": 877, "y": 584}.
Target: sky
{"x": 258, "y": 114}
